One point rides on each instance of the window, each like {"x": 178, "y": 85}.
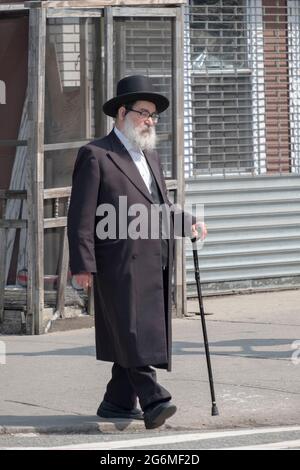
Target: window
{"x": 219, "y": 101}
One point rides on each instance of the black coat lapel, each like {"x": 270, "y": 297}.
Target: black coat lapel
{"x": 154, "y": 165}
{"x": 123, "y": 160}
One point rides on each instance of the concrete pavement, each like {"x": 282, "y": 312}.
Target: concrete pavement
{"x": 52, "y": 383}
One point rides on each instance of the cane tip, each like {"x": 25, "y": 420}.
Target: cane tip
{"x": 214, "y": 411}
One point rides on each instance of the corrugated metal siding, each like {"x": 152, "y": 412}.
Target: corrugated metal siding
{"x": 254, "y": 232}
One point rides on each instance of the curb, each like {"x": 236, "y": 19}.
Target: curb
{"x": 86, "y": 428}
{"x": 100, "y": 428}
{"x": 115, "y": 427}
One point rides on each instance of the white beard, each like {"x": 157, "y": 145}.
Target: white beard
{"x": 144, "y": 138}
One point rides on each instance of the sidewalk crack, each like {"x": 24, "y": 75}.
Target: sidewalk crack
{"x": 43, "y": 407}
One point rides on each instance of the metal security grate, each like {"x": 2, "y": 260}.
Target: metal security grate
{"x": 253, "y": 233}
{"x": 144, "y": 46}
{"x": 242, "y": 87}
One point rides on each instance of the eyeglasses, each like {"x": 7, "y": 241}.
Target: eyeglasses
{"x": 146, "y": 115}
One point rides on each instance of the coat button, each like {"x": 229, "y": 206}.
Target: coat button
{"x": 134, "y": 256}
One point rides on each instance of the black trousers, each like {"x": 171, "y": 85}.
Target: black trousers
{"x": 126, "y": 385}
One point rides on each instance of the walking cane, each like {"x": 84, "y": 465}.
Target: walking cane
{"x": 214, "y": 410}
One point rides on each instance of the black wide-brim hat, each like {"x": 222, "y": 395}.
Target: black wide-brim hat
{"x": 135, "y": 88}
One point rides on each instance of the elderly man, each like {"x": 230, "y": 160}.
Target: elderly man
{"x": 132, "y": 274}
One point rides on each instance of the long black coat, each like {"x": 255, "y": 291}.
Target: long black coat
{"x": 133, "y": 328}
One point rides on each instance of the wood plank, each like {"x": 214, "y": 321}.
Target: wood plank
{"x": 72, "y": 13}
{"x": 91, "y": 302}
{"x": 30, "y": 268}
{"x": 9, "y": 7}
{"x": 62, "y": 273}
{"x": 23, "y": 258}
{"x": 55, "y": 222}
{"x": 13, "y": 194}
{"x": 54, "y": 193}
{"x": 85, "y": 91}
{"x": 144, "y": 12}
{"x": 109, "y": 54}
{"x": 99, "y": 80}
{"x": 171, "y": 184}
{"x": 12, "y": 224}
{"x": 13, "y": 143}
{"x": 3, "y": 241}
{"x": 65, "y": 145}
{"x": 36, "y": 80}
{"x": 15, "y": 298}
{"x": 98, "y": 3}
{"x": 18, "y": 182}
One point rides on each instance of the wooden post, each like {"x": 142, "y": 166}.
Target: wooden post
{"x": 109, "y": 55}
{"x": 36, "y": 81}
{"x": 98, "y": 77}
{"x": 17, "y": 182}
{"x": 85, "y": 95}
{"x": 178, "y": 150}
{"x": 91, "y": 300}
{"x": 63, "y": 273}
{"x": 3, "y": 240}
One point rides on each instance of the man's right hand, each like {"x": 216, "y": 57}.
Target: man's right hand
{"x": 84, "y": 280}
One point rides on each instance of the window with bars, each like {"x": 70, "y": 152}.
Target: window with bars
{"x": 241, "y": 87}
{"x": 220, "y": 102}
{"x": 222, "y": 134}
{"x": 143, "y": 46}
{"x": 218, "y": 37}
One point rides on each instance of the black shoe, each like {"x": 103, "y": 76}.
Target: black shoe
{"x": 157, "y": 415}
{"x": 108, "y": 410}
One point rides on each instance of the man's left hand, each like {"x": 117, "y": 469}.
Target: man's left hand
{"x": 199, "y": 227}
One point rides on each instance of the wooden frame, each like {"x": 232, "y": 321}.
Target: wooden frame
{"x": 11, "y": 7}
{"x": 98, "y": 3}
{"x": 38, "y": 13}
{"x": 5, "y": 225}
{"x": 36, "y": 93}
{"x": 109, "y": 55}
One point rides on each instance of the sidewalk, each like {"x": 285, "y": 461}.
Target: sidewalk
{"x": 53, "y": 383}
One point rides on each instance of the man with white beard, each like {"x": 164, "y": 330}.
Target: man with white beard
{"x": 138, "y": 128}
{"x": 132, "y": 275}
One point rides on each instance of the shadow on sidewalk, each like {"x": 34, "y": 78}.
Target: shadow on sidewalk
{"x": 78, "y": 351}
{"x": 263, "y": 348}
{"x": 60, "y": 423}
